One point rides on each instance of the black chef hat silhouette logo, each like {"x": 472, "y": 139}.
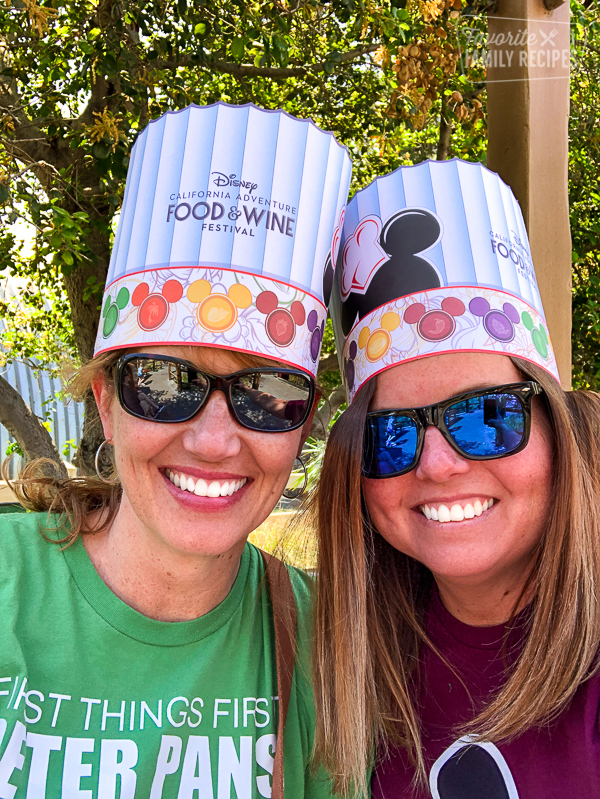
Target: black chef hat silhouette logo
{"x": 468, "y": 770}
{"x": 379, "y": 267}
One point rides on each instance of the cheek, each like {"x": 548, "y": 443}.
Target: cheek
{"x": 384, "y": 498}
{"x": 275, "y": 454}
{"x": 137, "y": 442}
{"x": 530, "y": 474}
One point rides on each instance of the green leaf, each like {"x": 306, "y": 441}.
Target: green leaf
{"x": 238, "y": 47}
{"x": 101, "y": 150}
{"x": 4, "y": 193}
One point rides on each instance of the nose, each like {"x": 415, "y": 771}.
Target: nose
{"x": 213, "y": 435}
{"x": 439, "y": 461}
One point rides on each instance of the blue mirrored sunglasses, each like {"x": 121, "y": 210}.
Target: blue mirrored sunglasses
{"x": 480, "y": 425}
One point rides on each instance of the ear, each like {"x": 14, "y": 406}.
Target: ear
{"x": 308, "y": 423}
{"x": 104, "y": 397}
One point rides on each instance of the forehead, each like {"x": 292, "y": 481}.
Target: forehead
{"x": 428, "y": 380}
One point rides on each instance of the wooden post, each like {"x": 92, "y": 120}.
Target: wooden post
{"x": 528, "y": 58}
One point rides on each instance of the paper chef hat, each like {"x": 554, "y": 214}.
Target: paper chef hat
{"x": 435, "y": 259}
{"x": 228, "y": 235}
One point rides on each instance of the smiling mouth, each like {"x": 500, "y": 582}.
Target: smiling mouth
{"x": 457, "y": 512}
{"x": 203, "y": 488}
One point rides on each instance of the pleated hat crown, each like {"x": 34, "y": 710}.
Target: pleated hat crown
{"x": 435, "y": 259}
{"x": 228, "y": 235}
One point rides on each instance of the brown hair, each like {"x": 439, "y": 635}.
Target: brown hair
{"x": 87, "y": 504}
{"x": 371, "y": 601}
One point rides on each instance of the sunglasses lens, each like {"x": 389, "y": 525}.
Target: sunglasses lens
{"x": 271, "y": 401}
{"x": 162, "y": 391}
{"x": 390, "y": 445}
{"x": 487, "y": 426}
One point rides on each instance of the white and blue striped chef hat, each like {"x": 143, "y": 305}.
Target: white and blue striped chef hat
{"x": 228, "y": 235}
{"x": 434, "y": 258}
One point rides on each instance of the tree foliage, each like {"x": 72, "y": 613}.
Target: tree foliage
{"x": 78, "y": 81}
{"x": 80, "y": 78}
{"x": 584, "y": 193}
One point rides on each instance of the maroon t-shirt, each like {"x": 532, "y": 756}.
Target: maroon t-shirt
{"x": 561, "y": 761}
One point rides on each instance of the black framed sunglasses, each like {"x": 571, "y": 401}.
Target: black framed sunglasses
{"x": 167, "y": 390}
{"x": 480, "y": 425}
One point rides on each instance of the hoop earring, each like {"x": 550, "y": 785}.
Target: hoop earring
{"x": 294, "y": 493}
{"x": 97, "y": 464}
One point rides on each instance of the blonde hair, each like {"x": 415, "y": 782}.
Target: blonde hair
{"x": 372, "y": 599}
{"x": 87, "y": 504}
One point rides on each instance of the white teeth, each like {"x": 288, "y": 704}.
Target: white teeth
{"x": 443, "y": 513}
{"x": 214, "y": 489}
{"x": 201, "y": 488}
{"x": 456, "y": 513}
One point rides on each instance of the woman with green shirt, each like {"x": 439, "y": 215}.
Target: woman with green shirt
{"x": 137, "y": 635}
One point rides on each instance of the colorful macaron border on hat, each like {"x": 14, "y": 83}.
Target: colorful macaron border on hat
{"x": 435, "y": 259}
{"x": 228, "y": 235}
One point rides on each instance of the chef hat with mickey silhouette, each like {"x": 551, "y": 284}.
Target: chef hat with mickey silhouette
{"x": 434, "y": 258}
{"x": 228, "y": 235}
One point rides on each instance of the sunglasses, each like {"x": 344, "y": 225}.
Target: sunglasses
{"x": 169, "y": 390}
{"x": 479, "y": 425}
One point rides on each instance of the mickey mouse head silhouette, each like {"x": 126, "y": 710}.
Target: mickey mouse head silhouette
{"x": 472, "y": 771}
{"x": 110, "y": 311}
{"x": 378, "y": 267}
{"x": 437, "y": 324}
{"x": 218, "y": 312}
{"x": 153, "y": 307}
{"x": 501, "y": 324}
{"x": 281, "y": 323}
{"x": 375, "y": 343}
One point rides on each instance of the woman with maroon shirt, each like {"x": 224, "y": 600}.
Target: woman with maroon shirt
{"x": 457, "y": 622}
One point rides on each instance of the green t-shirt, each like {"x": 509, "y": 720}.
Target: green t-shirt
{"x": 98, "y": 701}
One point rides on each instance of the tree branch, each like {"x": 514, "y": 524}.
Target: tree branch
{"x": 326, "y": 412}
{"x": 26, "y": 428}
{"x": 250, "y": 71}
{"x": 327, "y": 364}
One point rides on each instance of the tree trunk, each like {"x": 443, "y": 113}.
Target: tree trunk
{"x": 26, "y": 428}
{"x": 443, "y": 147}
{"x": 93, "y": 436}
{"x": 85, "y": 315}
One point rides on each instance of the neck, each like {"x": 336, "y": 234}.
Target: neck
{"x": 155, "y": 579}
{"x": 485, "y": 603}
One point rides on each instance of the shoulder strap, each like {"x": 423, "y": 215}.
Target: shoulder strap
{"x": 284, "y": 619}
